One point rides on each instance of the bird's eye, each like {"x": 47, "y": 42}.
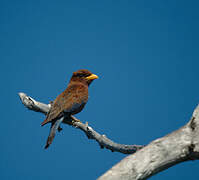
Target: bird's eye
{"x": 81, "y": 75}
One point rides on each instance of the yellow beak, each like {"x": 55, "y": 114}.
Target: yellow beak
{"x": 92, "y": 77}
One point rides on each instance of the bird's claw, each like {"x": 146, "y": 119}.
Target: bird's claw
{"x": 59, "y": 129}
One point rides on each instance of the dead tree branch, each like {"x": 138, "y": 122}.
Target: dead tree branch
{"x": 179, "y": 146}
{"x": 102, "y": 140}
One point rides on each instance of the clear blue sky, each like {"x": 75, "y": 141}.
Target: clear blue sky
{"x": 146, "y": 55}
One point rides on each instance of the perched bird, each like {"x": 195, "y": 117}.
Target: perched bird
{"x": 71, "y": 101}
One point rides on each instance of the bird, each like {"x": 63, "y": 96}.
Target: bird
{"x": 71, "y": 101}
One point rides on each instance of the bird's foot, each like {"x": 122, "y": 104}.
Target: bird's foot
{"x": 59, "y": 129}
{"x": 51, "y": 102}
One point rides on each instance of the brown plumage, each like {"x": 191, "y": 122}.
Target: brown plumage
{"x": 70, "y": 101}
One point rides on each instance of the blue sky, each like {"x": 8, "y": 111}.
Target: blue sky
{"x": 146, "y": 55}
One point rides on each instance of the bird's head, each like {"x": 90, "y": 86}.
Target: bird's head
{"x": 84, "y": 76}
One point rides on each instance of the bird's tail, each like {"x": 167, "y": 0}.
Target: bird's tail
{"x": 49, "y": 141}
{"x": 54, "y": 126}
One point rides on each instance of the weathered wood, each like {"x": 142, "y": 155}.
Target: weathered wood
{"x": 176, "y": 147}
{"x": 179, "y": 146}
{"x": 102, "y": 140}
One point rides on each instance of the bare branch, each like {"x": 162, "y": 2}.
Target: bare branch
{"x": 31, "y": 104}
{"x": 102, "y": 140}
{"x": 179, "y": 146}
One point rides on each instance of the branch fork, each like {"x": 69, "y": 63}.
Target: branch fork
{"x": 177, "y": 147}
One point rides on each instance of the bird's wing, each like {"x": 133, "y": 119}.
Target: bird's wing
{"x": 53, "y": 113}
{"x": 67, "y": 101}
